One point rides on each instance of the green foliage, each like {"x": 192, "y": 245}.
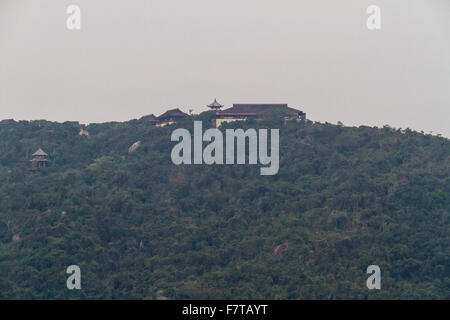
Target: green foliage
{"x": 139, "y": 226}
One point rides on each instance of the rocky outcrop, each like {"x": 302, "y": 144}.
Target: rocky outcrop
{"x": 279, "y": 251}
{"x": 134, "y": 147}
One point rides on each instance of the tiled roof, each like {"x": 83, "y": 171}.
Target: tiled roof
{"x": 173, "y": 113}
{"x": 253, "y": 109}
{"x": 40, "y": 152}
{"x": 215, "y": 105}
{"x": 150, "y": 117}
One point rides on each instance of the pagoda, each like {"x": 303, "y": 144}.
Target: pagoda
{"x": 39, "y": 159}
{"x": 215, "y": 105}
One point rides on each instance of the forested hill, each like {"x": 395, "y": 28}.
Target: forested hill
{"x": 140, "y": 227}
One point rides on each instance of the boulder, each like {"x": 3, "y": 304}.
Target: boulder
{"x": 134, "y": 147}
{"x": 279, "y": 251}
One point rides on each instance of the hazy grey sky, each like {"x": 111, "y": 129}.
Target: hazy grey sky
{"x": 135, "y": 57}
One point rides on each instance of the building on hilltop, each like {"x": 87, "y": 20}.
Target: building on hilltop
{"x": 151, "y": 118}
{"x": 215, "y": 105}
{"x": 242, "y": 112}
{"x": 39, "y": 159}
{"x": 239, "y": 112}
{"x": 171, "y": 116}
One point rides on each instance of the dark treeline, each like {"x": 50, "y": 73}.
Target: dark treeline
{"x": 140, "y": 227}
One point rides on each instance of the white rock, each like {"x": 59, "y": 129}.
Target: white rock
{"x": 134, "y": 147}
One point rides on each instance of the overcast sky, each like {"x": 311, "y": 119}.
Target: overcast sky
{"x": 136, "y": 57}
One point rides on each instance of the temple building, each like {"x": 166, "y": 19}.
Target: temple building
{"x": 150, "y": 119}
{"x": 238, "y": 112}
{"x": 242, "y": 112}
{"x": 39, "y": 159}
{"x": 171, "y": 116}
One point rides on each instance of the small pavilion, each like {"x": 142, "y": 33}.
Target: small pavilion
{"x": 39, "y": 159}
{"x": 215, "y": 105}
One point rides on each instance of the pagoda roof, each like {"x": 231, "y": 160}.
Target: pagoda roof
{"x": 215, "y": 105}
{"x": 150, "y": 117}
{"x": 173, "y": 113}
{"x": 40, "y": 152}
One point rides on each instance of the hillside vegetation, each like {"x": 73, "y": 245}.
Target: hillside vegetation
{"x": 140, "y": 227}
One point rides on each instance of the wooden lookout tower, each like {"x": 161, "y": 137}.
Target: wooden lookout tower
{"x": 39, "y": 159}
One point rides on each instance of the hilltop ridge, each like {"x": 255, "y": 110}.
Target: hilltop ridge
{"x": 140, "y": 227}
